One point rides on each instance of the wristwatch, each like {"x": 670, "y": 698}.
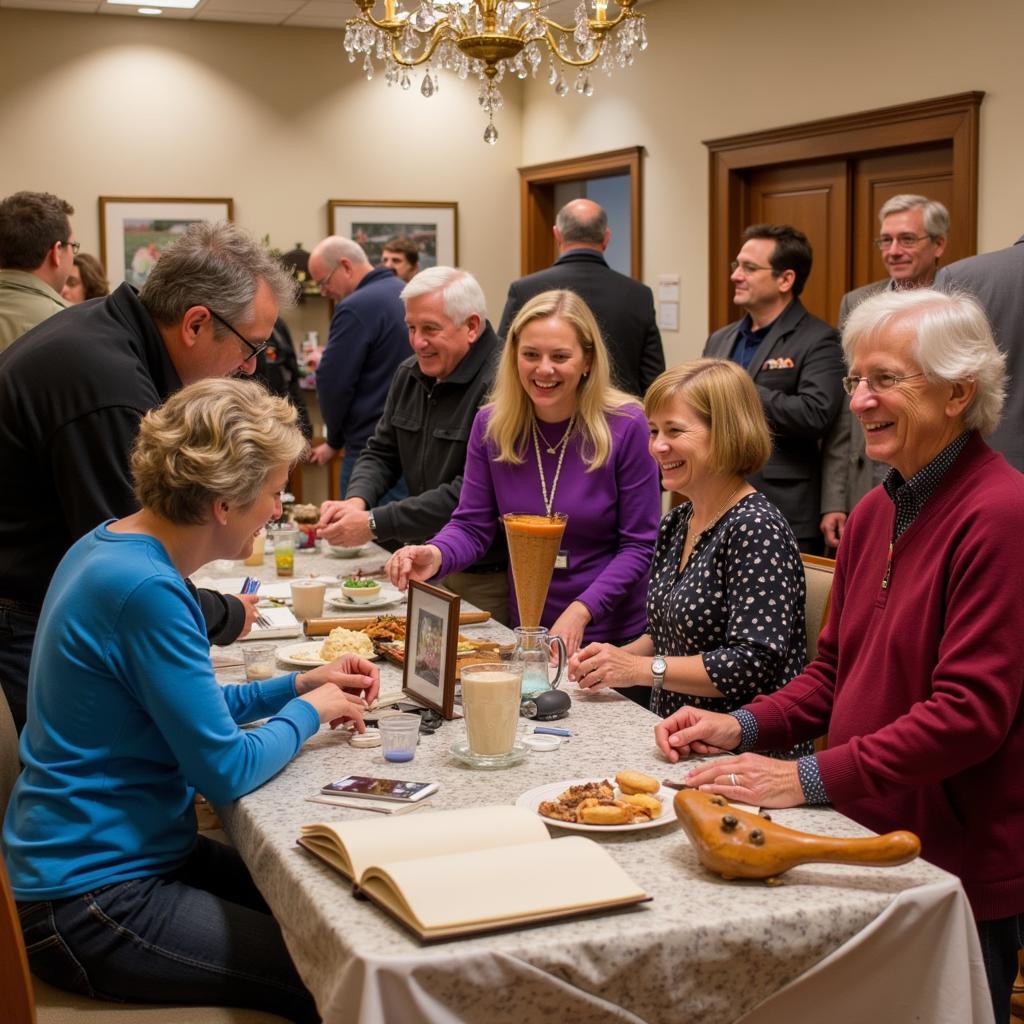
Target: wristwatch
{"x": 372, "y": 524}
{"x": 658, "y": 669}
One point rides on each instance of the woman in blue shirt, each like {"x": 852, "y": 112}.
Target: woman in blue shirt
{"x": 118, "y": 896}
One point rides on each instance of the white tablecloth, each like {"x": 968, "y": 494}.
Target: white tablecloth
{"x": 836, "y": 943}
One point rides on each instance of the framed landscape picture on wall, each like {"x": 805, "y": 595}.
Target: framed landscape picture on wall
{"x": 431, "y": 227}
{"x": 135, "y": 230}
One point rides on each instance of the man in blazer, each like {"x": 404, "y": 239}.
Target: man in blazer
{"x": 913, "y": 237}
{"x": 994, "y": 279}
{"x": 796, "y": 363}
{"x": 623, "y": 308}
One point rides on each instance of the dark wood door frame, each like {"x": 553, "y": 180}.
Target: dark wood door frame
{"x": 947, "y": 118}
{"x": 536, "y": 202}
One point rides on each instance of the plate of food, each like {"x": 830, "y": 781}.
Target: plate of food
{"x": 469, "y": 652}
{"x": 379, "y": 595}
{"x": 632, "y": 802}
{"x": 311, "y": 653}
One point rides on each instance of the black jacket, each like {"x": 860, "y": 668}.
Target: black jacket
{"x": 72, "y": 393}
{"x": 423, "y": 435}
{"x": 623, "y": 308}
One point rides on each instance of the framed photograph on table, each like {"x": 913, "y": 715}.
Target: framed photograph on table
{"x": 134, "y": 231}
{"x": 431, "y": 647}
{"x": 432, "y": 227}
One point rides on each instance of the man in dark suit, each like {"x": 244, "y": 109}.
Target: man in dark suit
{"x": 995, "y": 279}
{"x": 796, "y": 363}
{"x": 913, "y": 237}
{"x": 624, "y": 308}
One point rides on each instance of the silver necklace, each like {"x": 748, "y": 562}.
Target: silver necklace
{"x": 549, "y": 500}
{"x": 721, "y": 512}
{"x": 552, "y": 448}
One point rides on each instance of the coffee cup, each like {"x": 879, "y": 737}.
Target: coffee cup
{"x": 308, "y": 598}
{"x": 490, "y": 704}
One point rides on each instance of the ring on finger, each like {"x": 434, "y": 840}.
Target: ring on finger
{"x": 732, "y": 779}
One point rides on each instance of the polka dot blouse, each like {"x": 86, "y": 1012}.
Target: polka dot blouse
{"x": 739, "y": 602}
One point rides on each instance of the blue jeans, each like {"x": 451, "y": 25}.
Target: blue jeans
{"x": 17, "y": 632}
{"x": 348, "y": 463}
{"x": 1000, "y": 941}
{"x": 201, "y": 935}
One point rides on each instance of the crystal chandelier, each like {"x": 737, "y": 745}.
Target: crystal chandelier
{"x": 492, "y": 39}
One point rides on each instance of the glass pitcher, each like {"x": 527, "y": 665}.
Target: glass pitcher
{"x": 535, "y": 649}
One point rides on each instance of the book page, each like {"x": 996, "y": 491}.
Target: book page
{"x": 353, "y": 846}
{"x": 489, "y": 888}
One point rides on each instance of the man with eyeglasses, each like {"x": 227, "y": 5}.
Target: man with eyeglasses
{"x": 72, "y": 393}
{"x": 796, "y": 364}
{"x": 367, "y": 343}
{"x": 37, "y": 254}
{"x": 913, "y": 236}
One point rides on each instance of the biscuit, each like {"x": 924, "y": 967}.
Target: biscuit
{"x": 614, "y": 813}
{"x": 636, "y": 782}
{"x": 651, "y": 805}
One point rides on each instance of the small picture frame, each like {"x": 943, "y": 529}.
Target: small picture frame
{"x": 432, "y": 227}
{"x": 431, "y": 647}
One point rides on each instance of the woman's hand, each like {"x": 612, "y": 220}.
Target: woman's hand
{"x": 351, "y": 673}
{"x": 415, "y": 562}
{"x": 336, "y": 706}
{"x": 695, "y": 731}
{"x": 751, "y": 779}
{"x": 599, "y": 666}
{"x": 570, "y": 625}
{"x": 249, "y": 603}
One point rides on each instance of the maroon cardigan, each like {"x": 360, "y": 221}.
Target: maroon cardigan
{"x": 919, "y": 684}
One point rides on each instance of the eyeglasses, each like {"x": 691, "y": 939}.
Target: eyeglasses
{"x": 903, "y": 241}
{"x": 746, "y": 267}
{"x": 877, "y": 382}
{"x": 325, "y": 281}
{"x": 73, "y": 246}
{"x": 254, "y": 350}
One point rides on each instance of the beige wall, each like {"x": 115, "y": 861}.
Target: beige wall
{"x": 275, "y": 118}
{"x": 719, "y": 69}
{"x": 278, "y": 119}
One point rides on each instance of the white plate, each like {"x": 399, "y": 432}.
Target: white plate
{"x": 307, "y": 654}
{"x": 533, "y": 798}
{"x": 388, "y": 595}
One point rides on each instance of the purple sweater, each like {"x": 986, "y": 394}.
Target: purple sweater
{"x": 921, "y": 684}
{"x": 613, "y": 521}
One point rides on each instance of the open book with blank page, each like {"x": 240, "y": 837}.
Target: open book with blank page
{"x": 452, "y": 873}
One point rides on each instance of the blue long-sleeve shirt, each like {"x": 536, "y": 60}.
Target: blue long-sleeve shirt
{"x": 367, "y": 342}
{"x": 126, "y": 721}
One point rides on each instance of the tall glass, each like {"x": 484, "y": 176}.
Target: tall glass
{"x": 533, "y": 543}
{"x": 490, "y": 704}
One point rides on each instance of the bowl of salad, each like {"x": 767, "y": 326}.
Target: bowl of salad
{"x": 360, "y": 591}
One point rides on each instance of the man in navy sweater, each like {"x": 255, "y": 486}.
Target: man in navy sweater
{"x": 367, "y": 342}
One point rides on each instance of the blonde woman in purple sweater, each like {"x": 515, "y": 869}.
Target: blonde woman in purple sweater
{"x": 558, "y": 437}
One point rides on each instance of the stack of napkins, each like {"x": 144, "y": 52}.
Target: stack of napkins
{"x": 282, "y": 623}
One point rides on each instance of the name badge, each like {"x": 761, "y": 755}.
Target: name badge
{"x": 562, "y": 559}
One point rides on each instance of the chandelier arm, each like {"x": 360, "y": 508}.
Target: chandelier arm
{"x": 595, "y": 25}
{"x": 571, "y": 61}
{"x": 435, "y": 40}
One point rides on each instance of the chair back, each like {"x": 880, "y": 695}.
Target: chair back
{"x": 10, "y": 765}
{"x": 818, "y": 573}
{"x": 17, "y": 1005}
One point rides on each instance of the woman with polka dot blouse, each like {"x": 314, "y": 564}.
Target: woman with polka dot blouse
{"x": 725, "y": 603}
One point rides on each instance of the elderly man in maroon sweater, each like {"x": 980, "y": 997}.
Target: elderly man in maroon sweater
{"x": 920, "y": 669}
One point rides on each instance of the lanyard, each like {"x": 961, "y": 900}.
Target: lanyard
{"x": 549, "y": 500}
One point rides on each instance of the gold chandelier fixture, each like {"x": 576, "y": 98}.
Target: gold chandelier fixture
{"x": 491, "y": 39}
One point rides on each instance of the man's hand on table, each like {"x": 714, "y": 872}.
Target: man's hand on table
{"x": 249, "y": 603}
{"x": 344, "y": 523}
{"x": 413, "y": 562}
{"x": 695, "y": 731}
{"x": 340, "y": 690}
{"x": 751, "y": 779}
{"x": 598, "y": 666}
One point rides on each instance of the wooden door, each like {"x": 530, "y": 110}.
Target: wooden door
{"x": 814, "y": 198}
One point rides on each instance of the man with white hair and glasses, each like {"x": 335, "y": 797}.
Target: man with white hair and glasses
{"x": 913, "y": 236}
{"x": 424, "y": 432}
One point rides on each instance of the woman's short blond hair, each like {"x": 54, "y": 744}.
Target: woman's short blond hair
{"x": 217, "y": 438}
{"x": 512, "y": 417}
{"x": 723, "y": 395}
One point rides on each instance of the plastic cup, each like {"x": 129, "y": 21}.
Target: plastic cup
{"x": 284, "y": 549}
{"x": 259, "y": 547}
{"x": 308, "y": 598}
{"x": 399, "y": 735}
{"x": 259, "y": 661}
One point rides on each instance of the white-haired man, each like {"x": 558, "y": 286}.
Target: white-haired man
{"x": 365, "y": 346}
{"x": 913, "y": 236}
{"x": 424, "y": 431}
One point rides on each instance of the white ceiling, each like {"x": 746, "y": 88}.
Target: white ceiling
{"x": 303, "y": 13}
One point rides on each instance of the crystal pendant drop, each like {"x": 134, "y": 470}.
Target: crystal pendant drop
{"x": 427, "y": 88}
{"x": 490, "y": 134}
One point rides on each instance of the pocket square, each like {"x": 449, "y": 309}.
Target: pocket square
{"x": 784, "y": 363}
